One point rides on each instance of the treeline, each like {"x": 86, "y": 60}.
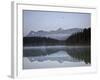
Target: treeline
{"x": 80, "y": 38}
{"x": 37, "y": 41}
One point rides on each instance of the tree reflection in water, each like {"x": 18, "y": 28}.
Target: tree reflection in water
{"x": 78, "y": 53}
{"x": 82, "y": 54}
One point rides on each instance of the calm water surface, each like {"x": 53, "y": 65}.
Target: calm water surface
{"x": 56, "y": 56}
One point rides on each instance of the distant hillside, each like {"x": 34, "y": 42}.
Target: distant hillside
{"x": 43, "y": 41}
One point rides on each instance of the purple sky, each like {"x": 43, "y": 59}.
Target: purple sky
{"x": 43, "y": 20}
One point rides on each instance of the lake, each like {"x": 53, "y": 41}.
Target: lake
{"x": 56, "y": 56}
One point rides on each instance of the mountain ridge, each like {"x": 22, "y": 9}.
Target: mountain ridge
{"x": 59, "y": 34}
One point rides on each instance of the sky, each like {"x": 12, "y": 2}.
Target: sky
{"x": 48, "y": 20}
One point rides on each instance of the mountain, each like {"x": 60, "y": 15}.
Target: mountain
{"x": 60, "y": 34}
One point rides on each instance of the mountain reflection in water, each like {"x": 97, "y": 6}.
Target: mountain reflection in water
{"x": 58, "y": 53}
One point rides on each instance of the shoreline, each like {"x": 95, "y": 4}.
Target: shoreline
{"x": 57, "y": 46}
